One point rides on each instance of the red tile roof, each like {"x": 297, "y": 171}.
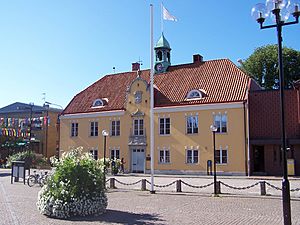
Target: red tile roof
{"x": 222, "y": 80}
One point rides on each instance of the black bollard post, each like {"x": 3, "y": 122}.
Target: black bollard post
{"x": 178, "y": 186}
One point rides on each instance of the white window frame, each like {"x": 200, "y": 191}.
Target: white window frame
{"x": 114, "y": 153}
{"x": 190, "y": 95}
{"x": 165, "y": 159}
{"x": 195, "y": 118}
{"x": 94, "y": 153}
{"x": 74, "y": 129}
{"x": 192, "y": 157}
{"x": 140, "y": 132}
{"x": 98, "y": 105}
{"x": 219, "y": 123}
{"x": 116, "y": 128}
{"x": 220, "y": 154}
{"x": 165, "y": 125}
{"x": 94, "y": 129}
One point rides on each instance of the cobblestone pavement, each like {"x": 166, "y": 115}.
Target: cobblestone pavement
{"x": 129, "y": 206}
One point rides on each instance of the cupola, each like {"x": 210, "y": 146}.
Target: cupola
{"x": 162, "y": 55}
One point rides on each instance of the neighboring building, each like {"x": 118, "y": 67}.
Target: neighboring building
{"x": 24, "y": 126}
{"x": 265, "y": 131}
{"x": 188, "y": 99}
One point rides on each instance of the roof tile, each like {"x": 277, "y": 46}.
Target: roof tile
{"x": 222, "y": 80}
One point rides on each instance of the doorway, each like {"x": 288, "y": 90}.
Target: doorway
{"x": 138, "y": 160}
{"x": 258, "y": 159}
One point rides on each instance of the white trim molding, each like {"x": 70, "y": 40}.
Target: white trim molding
{"x": 93, "y": 114}
{"x": 188, "y": 108}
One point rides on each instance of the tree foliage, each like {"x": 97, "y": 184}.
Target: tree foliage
{"x": 262, "y": 65}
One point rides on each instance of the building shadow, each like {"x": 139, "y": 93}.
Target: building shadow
{"x": 122, "y": 217}
{"x": 5, "y": 174}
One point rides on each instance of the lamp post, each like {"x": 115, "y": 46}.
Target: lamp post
{"x": 50, "y": 103}
{"x": 46, "y": 106}
{"x": 104, "y": 134}
{"x": 213, "y": 129}
{"x": 57, "y": 125}
{"x": 281, "y": 10}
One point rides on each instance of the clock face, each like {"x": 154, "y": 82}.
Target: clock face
{"x": 159, "y": 67}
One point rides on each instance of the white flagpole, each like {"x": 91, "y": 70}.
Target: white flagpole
{"x": 151, "y": 102}
{"x": 161, "y": 18}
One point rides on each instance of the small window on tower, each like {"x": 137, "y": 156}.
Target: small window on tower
{"x": 159, "y": 56}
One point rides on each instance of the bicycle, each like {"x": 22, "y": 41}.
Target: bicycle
{"x": 37, "y": 179}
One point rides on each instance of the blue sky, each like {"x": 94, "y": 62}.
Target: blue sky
{"x": 60, "y": 47}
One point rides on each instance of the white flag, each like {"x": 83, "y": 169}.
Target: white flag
{"x": 167, "y": 15}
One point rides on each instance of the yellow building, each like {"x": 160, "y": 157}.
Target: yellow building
{"x": 28, "y": 126}
{"x": 188, "y": 99}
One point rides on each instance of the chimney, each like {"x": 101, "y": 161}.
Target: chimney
{"x": 135, "y": 66}
{"x": 197, "y": 58}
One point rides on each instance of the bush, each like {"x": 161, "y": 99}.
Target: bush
{"x": 31, "y": 159}
{"x": 27, "y": 156}
{"x": 75, "y": 188}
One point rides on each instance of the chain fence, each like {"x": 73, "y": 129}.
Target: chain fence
{"x": 195, "y": 186}
{"x": 128, "y": 184}
{"x": 162, "y": 186}
{"x": 273, "y": 186}
{"x": 178, "y": 184}
{"x": 239, "y": 188}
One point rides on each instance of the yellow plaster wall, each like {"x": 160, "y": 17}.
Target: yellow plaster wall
{"x": 176, "y": 142}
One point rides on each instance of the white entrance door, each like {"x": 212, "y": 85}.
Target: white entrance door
{"x": 138, "y": 160}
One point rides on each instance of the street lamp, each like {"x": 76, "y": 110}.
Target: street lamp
{"x": 104, "y": 134}
{"x": 46, "y": 106}
{"x": 50, "y": 103}
{"x": 213, "y": 129}
{"x": 57, "y": 125}
{"x": 281, "y": 10}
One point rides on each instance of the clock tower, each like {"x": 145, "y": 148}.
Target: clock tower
{"x": 162, "y": 55}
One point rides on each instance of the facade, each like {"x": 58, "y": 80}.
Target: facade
{"x": 265, "y": 131}
{"x": 24, "y": 126}
{"x": 188, "y": 99}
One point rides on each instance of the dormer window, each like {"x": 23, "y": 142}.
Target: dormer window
{"x": 99, "y": 103}
{"x": 195, "y": 95}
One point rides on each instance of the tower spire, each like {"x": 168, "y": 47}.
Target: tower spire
{"x": 162, "y": 55}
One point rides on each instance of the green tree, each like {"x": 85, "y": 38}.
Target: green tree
{"x": 262, "y": 65}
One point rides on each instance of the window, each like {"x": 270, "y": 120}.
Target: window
{"x": 192, "y": 156}
{"x": 115, "y": 128}
{"x": 74, "y": 130}
{"x": 164, "y": 126}
{"x": 192, "y": 125}
{"x": 221, "y": 156}
{"x": 220, "y": 121}
{"x": 138, "y": 127}
{"x": 94, "y": 153}
{"x": 138, "y": 97}
{"x": 159, "y": 56}
{"x": 164, "y": 156}
{"x": 97, "y": 103}
{"x": 94, "y": 129}
{"x": 115, "y": 153}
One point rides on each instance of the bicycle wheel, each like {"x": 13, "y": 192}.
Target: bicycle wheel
{"x": 31, "y": 181}
{"x": 43, "y": 180}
